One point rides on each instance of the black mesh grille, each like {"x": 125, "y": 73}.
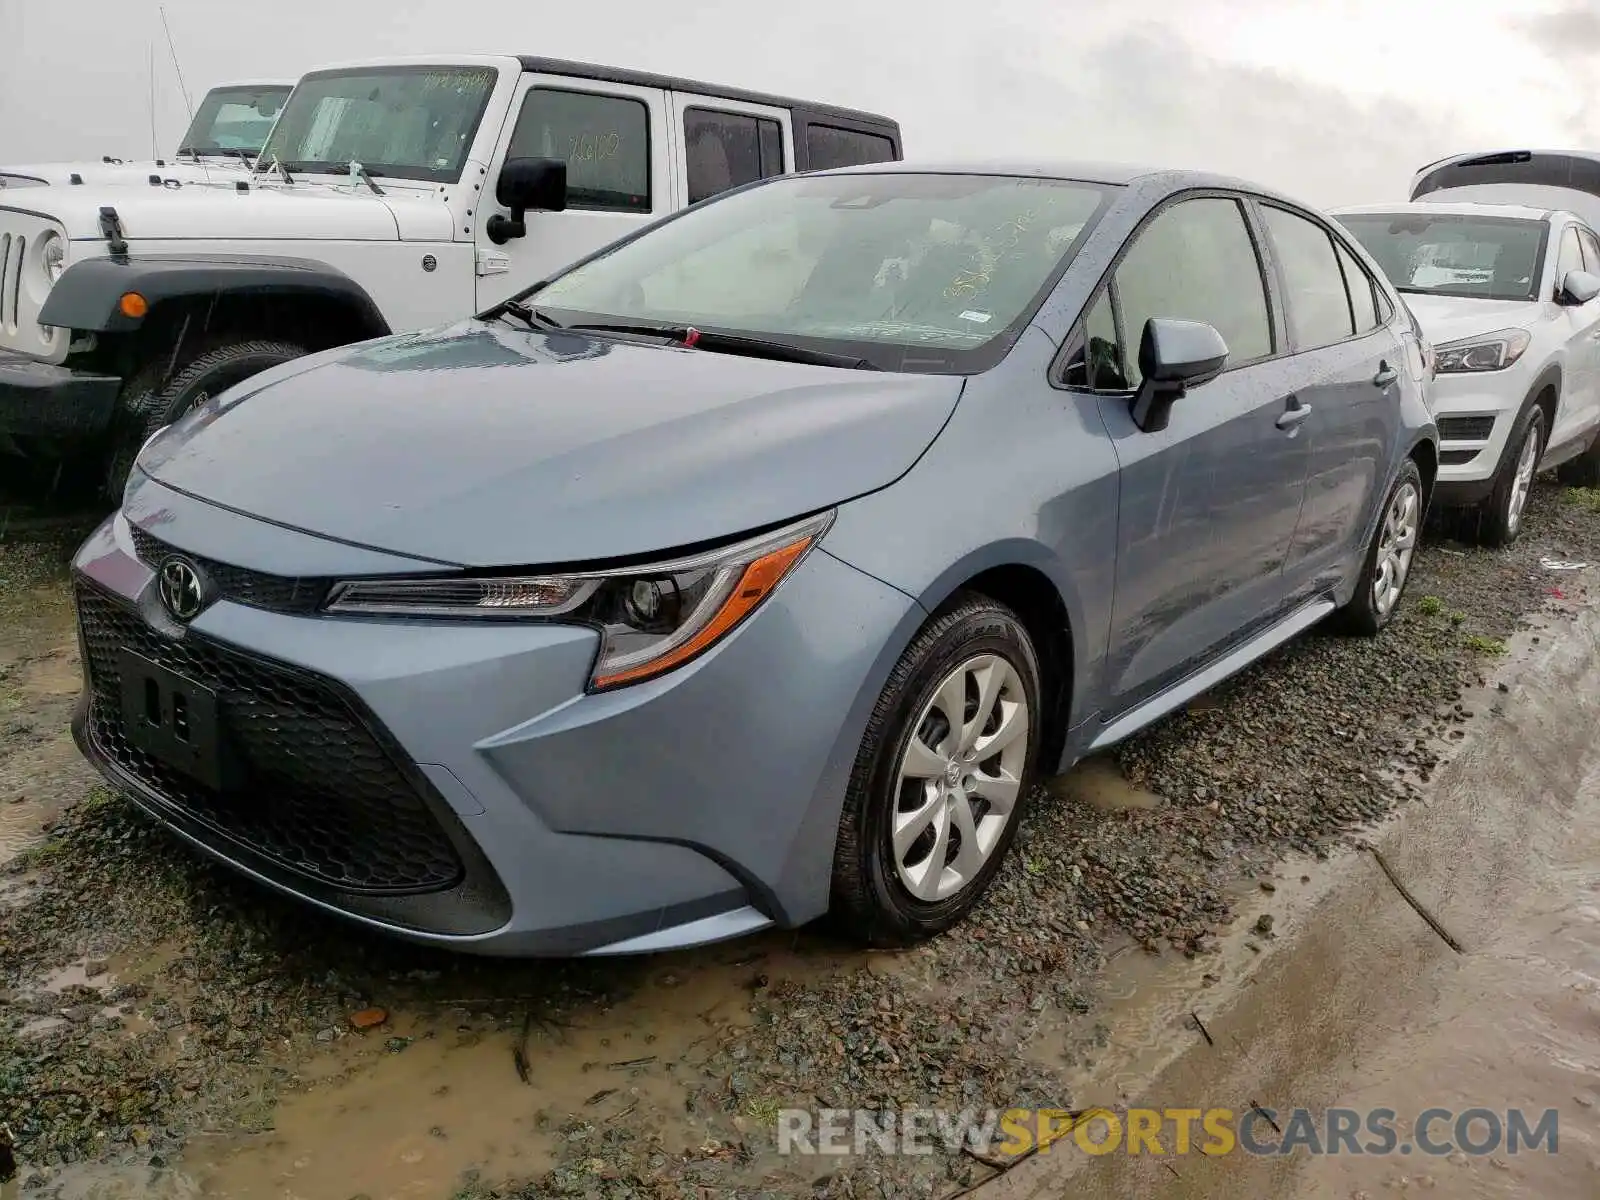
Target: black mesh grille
{"x": 318, "y": 794}
{"x": 1465, "y": 429}
{"x": 278, "y": 593}
{"x": 1456, "y": 458}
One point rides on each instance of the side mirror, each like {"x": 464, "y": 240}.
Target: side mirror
{"x": 1579, "y": 287}
{"x": 536, "y": 184}
{"x": 1174, "y": 356}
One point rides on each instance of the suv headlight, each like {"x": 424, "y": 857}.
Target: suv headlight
{"x": 1487, "y": 352}
{"x": 53, "y": 254}
{"x": 652, "y": 618}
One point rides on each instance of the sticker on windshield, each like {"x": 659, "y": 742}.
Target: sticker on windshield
{"x": 979, "y": 317}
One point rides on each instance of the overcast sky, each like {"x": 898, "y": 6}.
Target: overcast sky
{"x": 1335, "y": 101}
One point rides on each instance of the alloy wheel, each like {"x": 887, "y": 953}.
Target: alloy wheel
{"x": 1396, "y": 545}
{"x": 1522, "y": 483}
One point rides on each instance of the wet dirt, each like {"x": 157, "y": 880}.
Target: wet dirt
{"x": 1351, "y": 1000}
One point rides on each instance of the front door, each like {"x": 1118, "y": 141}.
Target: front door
{"x": 618, "y": 144}
{"x": 1209, "y": 504}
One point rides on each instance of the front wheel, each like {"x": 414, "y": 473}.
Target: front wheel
{"x": 1387, "y": 566}
{"x": 154, "y": 397}
{"x": 941, "y": 779}
{"x": 1500, "y": 517}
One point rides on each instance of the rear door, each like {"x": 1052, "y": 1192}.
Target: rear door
{"x": 726, "y": 143}
{"x": 1209, "y": 503}
{"x": 1346, "y": 371}
{"x": 617, "y": 142}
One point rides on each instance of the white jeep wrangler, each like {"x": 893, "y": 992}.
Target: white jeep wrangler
{"x": 390, "y": 196}
{"x": 223, "y": 138}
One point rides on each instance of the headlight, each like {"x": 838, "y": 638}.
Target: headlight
{"x": 53, "y": 254}
{"x": 1490, "y": 352}
{"x": 651, "y": 618}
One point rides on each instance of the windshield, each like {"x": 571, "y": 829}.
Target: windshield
{"x": 230, "y": 119}
{"x": 1441, "y": 254}
{"x": 913, "y": 272}
{"x": 409, "y": 122}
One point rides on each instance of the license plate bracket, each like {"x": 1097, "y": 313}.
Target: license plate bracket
{"x": 172, "y": 718}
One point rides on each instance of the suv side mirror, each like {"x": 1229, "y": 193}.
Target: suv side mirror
{"x": 1174, "y": 356}
{"x": 537, "y": 184}
{"x": 1579, "y": 287}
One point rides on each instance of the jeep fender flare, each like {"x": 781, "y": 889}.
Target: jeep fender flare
{"x": 87, "y": 298}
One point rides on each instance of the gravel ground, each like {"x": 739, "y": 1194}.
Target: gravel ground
{"x": 1294, "y": 754}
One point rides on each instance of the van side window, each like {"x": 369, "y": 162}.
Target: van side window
{"x": 727, "y": 149}
{"x": 828, "y": 147}
{"x": 605, "y": 141}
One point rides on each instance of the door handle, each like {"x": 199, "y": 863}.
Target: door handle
{"x": 1385, "y": 376}
{"x": 1294, "y": 414}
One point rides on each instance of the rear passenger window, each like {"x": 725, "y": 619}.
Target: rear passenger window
{"x": 605, "y": 141}
{"x": 1359, "y": 284}
{"x": 828, "y": 147}
{"x": 727, "y": 149}
{"x": 1319, "y": 306}
{"x": 1196, "y": 261}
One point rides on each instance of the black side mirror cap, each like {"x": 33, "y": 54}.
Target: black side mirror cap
{"x": 1578, "y": 288}
{"x": 1174, "y": 356}
{"x": 526, "y": 185}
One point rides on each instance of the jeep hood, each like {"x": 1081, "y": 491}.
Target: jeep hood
{"x": 96, "y": 174}
{"x": 484, "y": 444}
{"x": 212, "y": 212}
{"x": 1451, "y": 318}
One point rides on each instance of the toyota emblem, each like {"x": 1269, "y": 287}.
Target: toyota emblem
{"x": 183, "y": 594}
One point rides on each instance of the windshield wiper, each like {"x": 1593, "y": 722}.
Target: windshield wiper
{"x": 357, "y": 171}
{"x": 734, "y": 343}
{"x": 527, "y": 314}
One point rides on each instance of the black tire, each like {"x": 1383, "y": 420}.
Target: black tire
{"x": 1361, "y": 615}
{"x": 1495, "y": 525}
{"x": 1583, "y": 471}
{"x": 153, "y": 398}
{"x": 870, "y": 903}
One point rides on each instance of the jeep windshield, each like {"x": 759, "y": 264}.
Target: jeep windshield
{"x": 931, "y": 273}
{"x": 405, "y": 122}
{"x": 230, "y": 120}
{"x": 1445, "y": 254}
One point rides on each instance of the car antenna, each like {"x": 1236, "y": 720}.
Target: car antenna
{"x": 182, "y": 86}
{"x": 155, "y": 151}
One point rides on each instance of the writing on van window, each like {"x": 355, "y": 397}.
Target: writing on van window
{"x": 604, "y": 140}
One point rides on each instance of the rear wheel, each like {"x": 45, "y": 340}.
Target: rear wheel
{"x": 941, "y": 779}
{"x": 154, "y": 397}
{"x": 1387, "y": 567}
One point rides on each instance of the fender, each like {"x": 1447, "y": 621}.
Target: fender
{"x": 86, "y": 297}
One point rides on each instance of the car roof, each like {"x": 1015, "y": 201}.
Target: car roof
{"x": 605, "y": 74}
{"x": 1080, "y": 170}
{"x": 1456, "y": 208}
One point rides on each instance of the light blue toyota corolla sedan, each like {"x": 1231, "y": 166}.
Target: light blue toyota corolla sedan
{"x": 756, "y": 566}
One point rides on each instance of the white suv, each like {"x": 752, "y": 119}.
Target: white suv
{"x": 1510, "y": 298}
{"x": 224, "y": 136}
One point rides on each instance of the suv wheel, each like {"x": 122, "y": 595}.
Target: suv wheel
{"x": 1387, "y": 566}
{"x": 153, "y": 398}
{"x": 1500, "y": 516}
{"x": 941, "y": 779}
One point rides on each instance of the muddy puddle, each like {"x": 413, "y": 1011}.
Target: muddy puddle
{"x": 1353, "y": 1000}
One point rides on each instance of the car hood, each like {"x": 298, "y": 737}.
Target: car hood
{"x": 1450, "y": 318}
{"x": 97, "y": 173}
{"x": 483, "y": 444}
{"x": 216, "y": 210}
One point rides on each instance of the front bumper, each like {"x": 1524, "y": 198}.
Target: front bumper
{"x": 42, "y": 400}
{"x": 455, "y": 785}
{"x": 1475, "y": 414}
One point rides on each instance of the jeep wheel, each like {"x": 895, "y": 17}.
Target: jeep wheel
{"x": 153, "y": 398}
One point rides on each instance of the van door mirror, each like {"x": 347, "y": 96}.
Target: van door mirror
{"x": 1579, "y": 287}
{"x": 1174, "y": 356}
{"x": 526, "y": 184}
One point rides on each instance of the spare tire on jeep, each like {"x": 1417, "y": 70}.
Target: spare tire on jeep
{"x": 162, "y": 392}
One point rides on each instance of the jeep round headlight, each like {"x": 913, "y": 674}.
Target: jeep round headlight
{"x": 53, "y": 254}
